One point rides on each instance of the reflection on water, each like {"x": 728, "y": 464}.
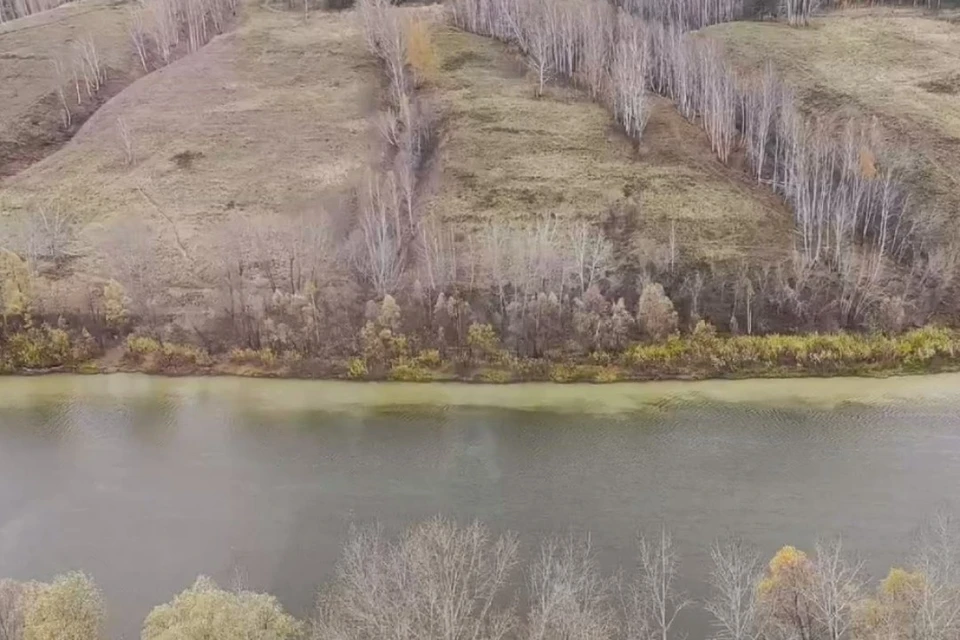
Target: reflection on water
{"x": 146, "y": 482}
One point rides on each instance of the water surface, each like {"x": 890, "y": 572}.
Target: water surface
{"x": 146, "y": 482}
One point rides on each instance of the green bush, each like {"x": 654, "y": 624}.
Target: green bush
{"x": 208, "y": 612}
{"x": 495, "y": 376}
{"x": 264, "y": 357}
{"x": 141, "y": 346}
{"x": 38, "y": 348}
{"x": 409, "y": 372}
{"x": 357, "y": 369}
{"x": 71, "y": 608}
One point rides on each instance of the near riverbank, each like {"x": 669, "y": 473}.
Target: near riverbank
{"x": 701, "y": 355}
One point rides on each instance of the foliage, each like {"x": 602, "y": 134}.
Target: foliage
{"x": 71, "y": 608}
{"x": 408, "y": 371}
{"x": 15, "y": 599}
{"x": 15, "y": 285}
{"x": 655, "y": 313}
{"x": 206, "y": 611}
{"x": 115, "y": 304}
{"x": 707, "y": 354}
{"x": 483, "y": 342}
{"x": 421, "y": 55}
{"x": 264, "y": 357}
{"x": 357, "y": 369}
{"x": 140, "y": 346}
{"x": 39, "y": 348}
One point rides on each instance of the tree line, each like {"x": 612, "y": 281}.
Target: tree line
{"x": 440, "y": 580}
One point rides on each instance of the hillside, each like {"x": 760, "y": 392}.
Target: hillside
{"x": 899, "y": 67}
{"x": 379, "y": 193}
{"x": 31, "y": 118}
{"x": 268, "y": 120}
{"x": 513, "y": 157}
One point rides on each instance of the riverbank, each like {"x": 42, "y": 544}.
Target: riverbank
{"x": 698, "y": 356}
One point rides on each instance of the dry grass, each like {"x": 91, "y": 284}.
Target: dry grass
{"x": 898, "y": 65}
{"x": 509, "y": 155}
{"x": 270, "y": 119}
{"x": 30, "y": 112}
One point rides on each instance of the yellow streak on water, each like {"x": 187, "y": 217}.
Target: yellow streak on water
{"x": 305, "y": 395}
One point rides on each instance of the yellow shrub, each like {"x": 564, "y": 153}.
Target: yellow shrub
{"x": 357, "y": 369}
{"x": 421, "y": 56}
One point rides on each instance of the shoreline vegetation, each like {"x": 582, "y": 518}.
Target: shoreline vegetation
{"x": 388, "y": 356}
{"x": 441, "y": 580}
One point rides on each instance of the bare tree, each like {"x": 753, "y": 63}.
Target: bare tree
{"x": 937, "y": 598}
{"x": 592, "y": 254}
{"x": 125, "y": 140}
{"x": 570, "y": 600}
{"x": 836, "y": 590}
{"x": 381, "y": 255}
{"x": 439, "y": 581}
{"x": 654, "y": 600}
{"x": 630, "y": 61}
{"x": 62, "y": 80}
{"x": 138, "y": 36}
{"x": 734, "y": 579}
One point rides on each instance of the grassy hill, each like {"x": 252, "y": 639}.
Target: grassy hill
{"x": 269, "y": 119}
{"x": 512, "y": 156}
{"x": 31, "y": 120}
{"x": 899, "y": 67}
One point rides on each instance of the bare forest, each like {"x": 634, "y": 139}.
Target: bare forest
{"x": 441, "y": 580}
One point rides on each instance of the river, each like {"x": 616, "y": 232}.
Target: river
{"x": 146, "y": 482}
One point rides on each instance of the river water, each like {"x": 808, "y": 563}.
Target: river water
{"x": 147, "y": 482}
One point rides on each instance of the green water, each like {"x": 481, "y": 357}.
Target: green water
{"x": 146, "y": 482}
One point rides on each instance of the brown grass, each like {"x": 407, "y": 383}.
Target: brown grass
{"x": 30, "y": 112}
{"x": 509, "y": 155}
{"x": 897, "y": 65}
{"x": 270, "y": 119}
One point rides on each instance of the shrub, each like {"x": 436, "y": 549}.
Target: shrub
{"x": 430, "y": 358}
{"x": 264, "y": 357}
{"x": 572, "y": 373}
{"x": 141, "y": 346}
{"x": 15, "y": 285}
{"x": 114, "y": 305}
{"x": 71, "y": 608}
{"x": 421, "y": 55}
{"x": 655, "y": 313}
{"x": 483, "y": 342}
{"x": 39, "y": 348}
{"x": 357, "y": 369}
{"x": 495, "y": 376}
{"x": 409, "y": 372}
{"x": 206, "y": 611}
{"x": 174, "y": 355}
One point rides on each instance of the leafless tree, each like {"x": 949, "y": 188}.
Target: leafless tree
{"x": 439, "y": 581}
{"x": 138, "y": 36}
{"x": 381, "y": 255}
{"x": 125, "y": 140}
{"x": 570, "y": 599}
{"x": 836, "y": 590}
{"x": 734, "y": 579}
{"x": 48, "y": 233}
{"x": 62, "y": 79}
{"x": 591, "y": 252}
{"x": 629, "y": 75}
{"x": 653, "y": 599}
{"x": 937, "y": 558}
